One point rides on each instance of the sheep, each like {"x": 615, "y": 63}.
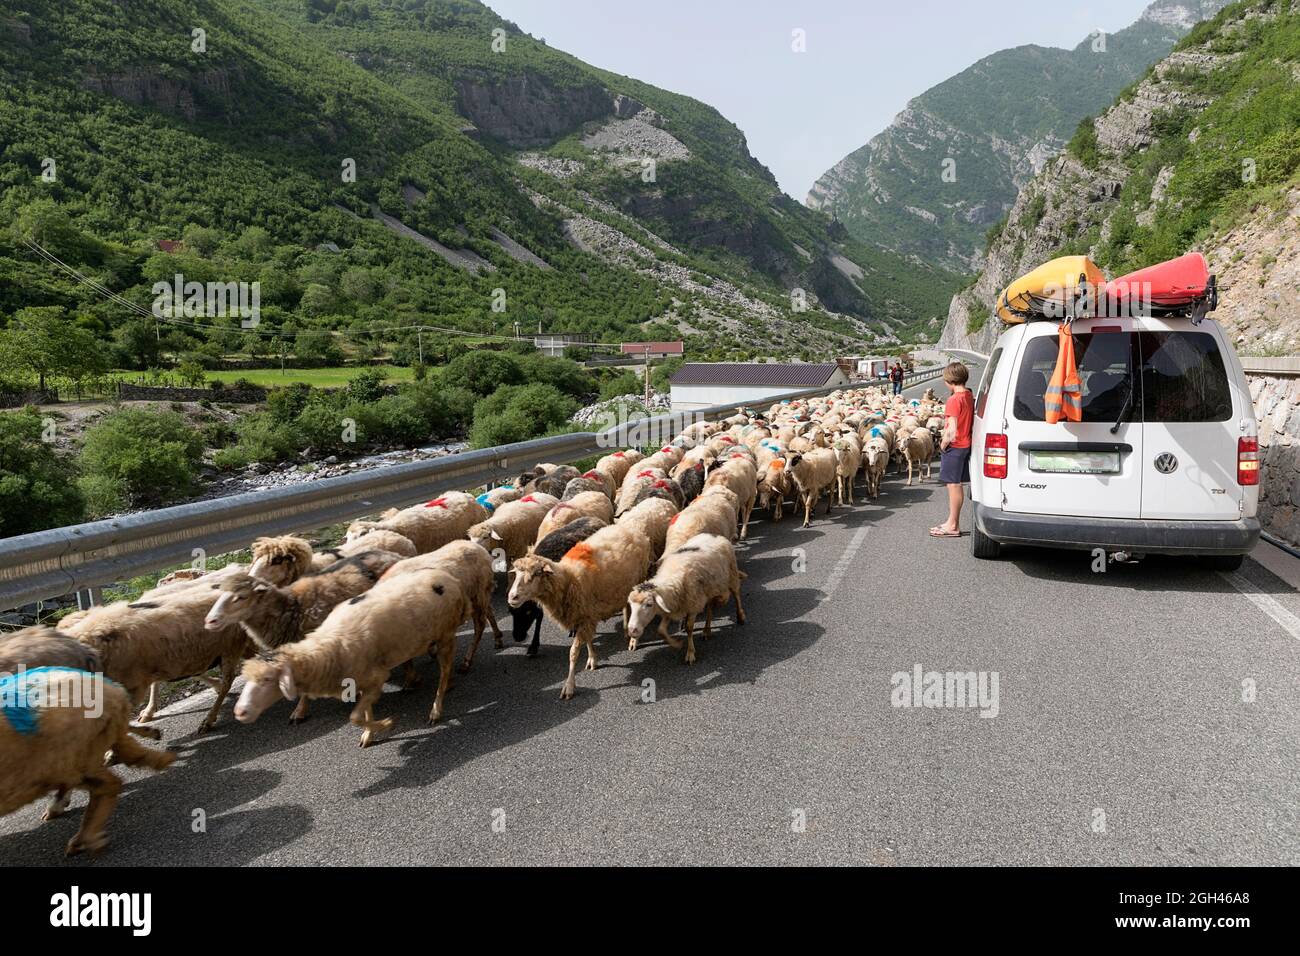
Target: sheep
{"x": 651, "y": 519}
{"x": 812, "y": 474}
{"x": 591, "y": 481}
{"x": 554, "y": 546}
{"x": 589, "y": 504}
{"x": 472, "y": 568}
{"x": 666, "y": 458}
{"x": 875, "y": 459}
{"x": 773, "y": 486}
{"x": 690, "y": 480}
{"x": 713, "y": 513}
{"x": 848, "y": 461}
{"x": 632, "y": 485}
{"x": 496, "y": 497}
{"x": 428, "y": 526}
{"x": 586, "y": 586}
{"x": 664, "y": 488}
{"x": 163, "y": 639}
{"x": 934, "y": 424}
{"x": 42, "y": 646}
{"x": 918, "y": 449}
{"x": 57, "y": 741}
{"x": 513, "y": 526}
{"x": 618, "y": 464}
{"x": 739, "y": 475}
{"x": 692, "y": 580}
{"x": 551, "y": 485}
{"x": 273, "y": 616}
{"x": 281, "y": 560}
{"x": 699, "y": 454}
{"x": 358, "y": 645}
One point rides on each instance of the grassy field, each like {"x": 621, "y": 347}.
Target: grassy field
{"x": 320, "y": 377}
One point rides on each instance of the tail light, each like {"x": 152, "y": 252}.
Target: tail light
{"x": 995, "y": 456}
{"x": 1247, "y": 461}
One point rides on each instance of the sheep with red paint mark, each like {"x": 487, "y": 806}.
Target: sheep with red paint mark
{"x": 428, "y": 526}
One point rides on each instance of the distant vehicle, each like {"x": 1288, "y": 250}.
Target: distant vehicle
{"x": 1165, "y": 460}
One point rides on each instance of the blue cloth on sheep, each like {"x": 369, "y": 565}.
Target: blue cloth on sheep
{"x": 23, "y": 695}
{"x": 483, "y": 500}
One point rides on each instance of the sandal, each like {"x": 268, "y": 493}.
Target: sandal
{"x": 938, "y": 532}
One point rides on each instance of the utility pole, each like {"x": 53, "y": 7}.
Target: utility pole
{"x": 419, "y": 339}
{"x": 647, "y": 376}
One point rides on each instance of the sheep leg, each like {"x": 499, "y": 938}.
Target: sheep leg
{"x": 410, "y": 676}
{"x": 708, "y": 619}
{"x": 807, "y": 510}
{"x": 363, "y": 714}
{"x": 229, "y": 668}
{"x": 537, "y": 637}
{"x": 103, "y": 786}
{"x": 58, "y": 803}
{"x": 690, "y": 639}
{"x": 300, "y": 712}
{"x": 150, "y": 708}
{"x": 473, "y": 645}
{"x": 446, "y": 655}
{"x": 486, "y": 610}
{"x": 740, "y": 611}
{"x": 583, "y": 635}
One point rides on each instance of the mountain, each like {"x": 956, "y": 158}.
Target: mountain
{"x": 1000, "y": 121}
{"x": 376, "y": 165}
{"x": 1202, "y": 153}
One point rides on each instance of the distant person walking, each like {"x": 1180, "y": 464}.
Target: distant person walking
{"x": 954, "y": 464}
{"x": 896, "y": 376}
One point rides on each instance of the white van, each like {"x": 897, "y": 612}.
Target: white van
{"x": 1164, "y": 462}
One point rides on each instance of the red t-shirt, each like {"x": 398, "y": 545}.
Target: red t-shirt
{"x": 961, "y": 406}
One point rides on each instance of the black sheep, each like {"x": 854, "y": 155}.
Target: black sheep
{"x": 691, "y": 483}
{"x": 553, "y": 547}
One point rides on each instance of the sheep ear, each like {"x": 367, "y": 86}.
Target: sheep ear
{"x": 261, "y": 588}
{"x": 286, "y": 684}
{"x": 662, "y": 606}
{"x": 495, "y": 536}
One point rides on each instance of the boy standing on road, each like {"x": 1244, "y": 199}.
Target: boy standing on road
{"x": 896, "y": 376}
{"x": 954, "y": 465}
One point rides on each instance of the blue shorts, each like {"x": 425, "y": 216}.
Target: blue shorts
{"x": 954, "y": 466}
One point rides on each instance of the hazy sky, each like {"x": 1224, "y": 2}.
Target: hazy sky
{"x": 804, "y": 112}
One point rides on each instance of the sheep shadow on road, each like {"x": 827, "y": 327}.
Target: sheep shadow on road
{"x": 520, "y": 700}
{"x": 165, "y": 818}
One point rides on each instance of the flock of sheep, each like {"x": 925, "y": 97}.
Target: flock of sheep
{"x": 642, "y": 536}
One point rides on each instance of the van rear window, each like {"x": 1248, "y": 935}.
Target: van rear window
{"x": 1105, "y": 363}
{"x": 1183, "y": 378}
{"x": 986, "y": 382}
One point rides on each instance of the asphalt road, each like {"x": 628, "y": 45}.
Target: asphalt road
{"x": 1121, "y": 735}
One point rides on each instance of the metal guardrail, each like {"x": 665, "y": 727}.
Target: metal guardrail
{"x": 60, "y": 561}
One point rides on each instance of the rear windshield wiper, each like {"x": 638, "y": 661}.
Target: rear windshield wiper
{"x": 1123, "y": 411}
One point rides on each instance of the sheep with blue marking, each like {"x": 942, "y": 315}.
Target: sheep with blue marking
{"x": 56, "y": 724}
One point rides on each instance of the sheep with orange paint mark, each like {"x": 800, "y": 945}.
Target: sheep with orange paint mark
{"x": 588, "y": 585}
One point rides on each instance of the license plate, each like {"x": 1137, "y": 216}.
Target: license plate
{"x": 1075, "y": 462}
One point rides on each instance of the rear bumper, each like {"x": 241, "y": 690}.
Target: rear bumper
{"x": 1119, "y": 534}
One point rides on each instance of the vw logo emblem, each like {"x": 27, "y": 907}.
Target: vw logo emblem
{"x": 1166, "y": 464}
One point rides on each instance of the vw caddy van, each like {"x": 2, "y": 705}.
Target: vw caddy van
{"x": 1164, "y": 461}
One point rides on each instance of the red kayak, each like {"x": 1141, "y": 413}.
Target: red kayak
{"x": 1181, "y": 286}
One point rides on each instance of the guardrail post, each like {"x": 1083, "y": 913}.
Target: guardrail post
{"x": 89, "y": 597}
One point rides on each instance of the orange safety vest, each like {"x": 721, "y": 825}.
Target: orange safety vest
{"x": 1064, "y": 396}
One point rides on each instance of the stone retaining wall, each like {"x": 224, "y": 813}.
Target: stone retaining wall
{"x": 1277, "y": 410}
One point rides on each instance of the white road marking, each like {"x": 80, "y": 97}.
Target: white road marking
{"x": 1269, "y": 605}
{"x": 842, "y": 566}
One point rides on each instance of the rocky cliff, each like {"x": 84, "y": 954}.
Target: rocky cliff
{"x": 1200, "y": 154}
{"x": 1000, "y": 122}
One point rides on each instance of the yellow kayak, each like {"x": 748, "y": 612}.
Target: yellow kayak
{"x": 1052, "y": 291}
